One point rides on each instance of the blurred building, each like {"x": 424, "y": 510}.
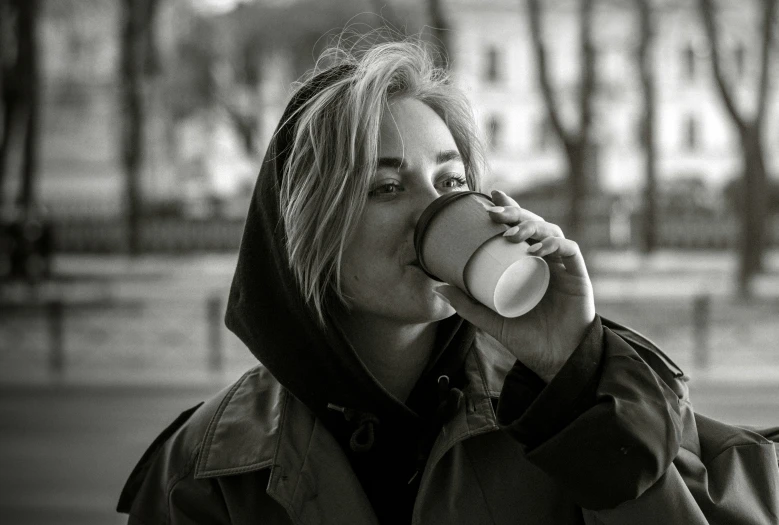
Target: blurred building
{"x": 204, "y": 144}
{"x": 192, "y": 154}
{"x": 697, "y": 141}
{"x": 79, "y": 132}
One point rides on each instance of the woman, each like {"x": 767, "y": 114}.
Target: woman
{"x": 387, "y": 397}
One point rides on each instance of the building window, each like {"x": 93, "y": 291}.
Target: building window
{"x": 494, "y": 132}
{"x": 692, "y": 134}
{"x": 740, "y": 59}
{"x": 491, "y": 72}
{"x": 688, "y": 59}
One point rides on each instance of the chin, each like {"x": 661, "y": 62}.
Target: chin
{"x": 428, "y": 308}
{"x": 447, "y": 312}
{"x": 440, "y": 309}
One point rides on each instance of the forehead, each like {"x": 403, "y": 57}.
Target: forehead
{"x": 411, "y": 129}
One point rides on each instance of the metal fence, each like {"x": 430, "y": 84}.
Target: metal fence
{"x": 117, "y": 336}
{"x": 603, "y": 230}
{"x": 60, "y": 336}
{"x": 168, "y": 235}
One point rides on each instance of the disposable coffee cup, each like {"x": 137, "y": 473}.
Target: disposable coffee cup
{"x": 457, "y": 242}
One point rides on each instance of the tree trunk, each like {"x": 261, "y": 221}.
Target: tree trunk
{"x": 578, "y": 164}
{"x": 10, "y": 110}
{"x": 5, "y": 97}
{"x": 582, "y": 173}
{"x": 579, "y": 150}
{"x": 649, "y": 204}
{"x": 28, "y": 56}
{"x": 21, "y": 106}
{"x": 754, "y": 207}
{"x": 133, "y": 117}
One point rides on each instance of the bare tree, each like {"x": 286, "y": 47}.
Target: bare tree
{"x": 9, "y": 84}
{"x": 646, "y": 69}
{"x": 139, "y": 60}
{"x": 579, "y": 150}
{"x": 28, "y": 59}
{"x": 750, "y": 131}
{"x": 21, "y": 95}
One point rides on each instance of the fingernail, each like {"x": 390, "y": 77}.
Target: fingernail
{"x": 511, "y": 231}
{"x": 534, "y": 247}
{"x": 496, "y": 209}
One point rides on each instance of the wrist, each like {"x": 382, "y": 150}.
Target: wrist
{"x": 558, "y": 358}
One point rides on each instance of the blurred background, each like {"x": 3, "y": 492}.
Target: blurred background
{"x": 132, "y": 133}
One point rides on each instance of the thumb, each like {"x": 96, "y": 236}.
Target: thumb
{"x": 472, "y": 311}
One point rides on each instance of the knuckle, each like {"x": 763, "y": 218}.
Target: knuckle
{"x": 513, "y": 213}
{"x": 510, "y": 199}
{"x": 526, "y": 228}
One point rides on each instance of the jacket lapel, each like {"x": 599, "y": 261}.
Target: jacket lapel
{"x": 241, "y": 435}
{"x": 311, "y": 476}
{"x": 486, "y": 367}
{"x": 258, "y": 425}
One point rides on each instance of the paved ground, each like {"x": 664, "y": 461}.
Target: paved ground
{"x": 66, "y": 451}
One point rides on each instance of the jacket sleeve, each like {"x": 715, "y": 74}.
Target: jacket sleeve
{"x": 616, "y": 429}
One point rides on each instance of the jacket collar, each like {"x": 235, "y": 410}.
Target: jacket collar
{"x": 241, "y": 434}
{"x": 278, "y": 425}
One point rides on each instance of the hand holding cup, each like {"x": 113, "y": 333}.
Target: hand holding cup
{"x": 545, "y": 336}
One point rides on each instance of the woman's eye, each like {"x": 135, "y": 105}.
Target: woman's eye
{"x": 454, "y": 182}
{"x": 386, "y": 189}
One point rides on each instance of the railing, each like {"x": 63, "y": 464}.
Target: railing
{"x": 109, "y": 235}
{"x": 53, "y": 325}
{"x": 171, "y": 235}
{"x": 700, "y": 332}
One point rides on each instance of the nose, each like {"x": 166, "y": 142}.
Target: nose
{"x": 422, "y": 200}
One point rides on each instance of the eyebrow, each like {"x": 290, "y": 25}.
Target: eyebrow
{"x": 447, "y": 156}
{"x": 399, "y": 163}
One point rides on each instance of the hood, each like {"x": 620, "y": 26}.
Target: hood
{"x": 267, "y": 312}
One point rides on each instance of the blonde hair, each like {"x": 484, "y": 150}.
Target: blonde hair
{"x": 334, "y": 151}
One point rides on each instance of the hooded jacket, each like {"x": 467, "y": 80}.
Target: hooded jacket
{"x": 309, "y": 436}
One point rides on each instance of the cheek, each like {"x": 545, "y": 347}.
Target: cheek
{"x": 366, "y": 261}
{"x": 374, "y": 255}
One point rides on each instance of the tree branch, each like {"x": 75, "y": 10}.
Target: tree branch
{"x": 534, "y": 17}
{"x": 646, "y": 72}
{"x": 440, "y": 32}
{"x": 151, "y": 59}
{"x": 645, "y": 19}
{"x": 707, "y": 13}
{"x": 767, "y": 34}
